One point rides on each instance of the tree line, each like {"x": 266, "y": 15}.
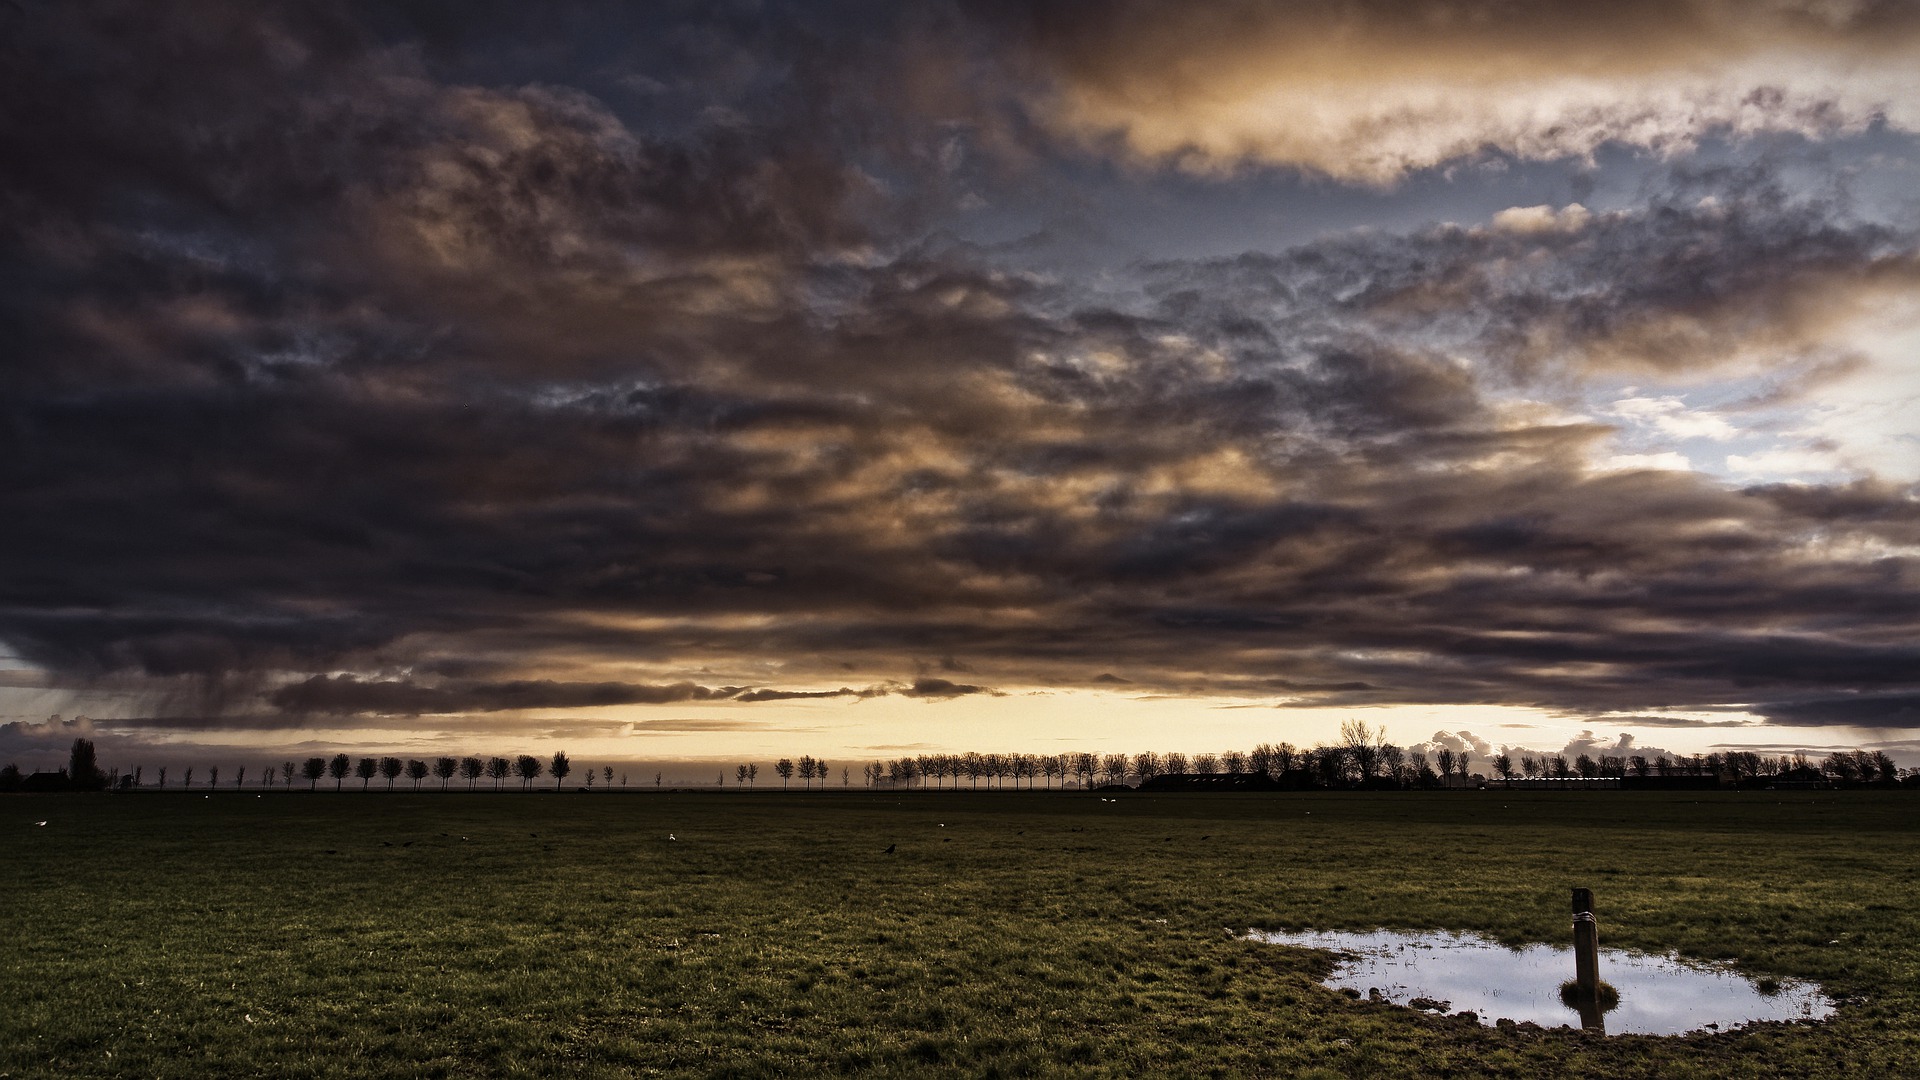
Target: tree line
{"x": 1361, "y": 758}
{"x": 84, "y": 773}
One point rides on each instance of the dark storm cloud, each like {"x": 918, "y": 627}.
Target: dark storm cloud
{"x": 1676, "y": 722}
{"x": 941, "y": 688}
{"x": 399, "y": 697}
{"x": 798, "y": 695}
{"x": 1716, "y": 265}
{"x": 348, "y": 694}
{"x": 686, "y": 724}
{"x": 342, "y": 343}
{"x": 1865, "y": 710}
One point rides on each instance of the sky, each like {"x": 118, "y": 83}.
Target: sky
{"x": 705, "y": 381}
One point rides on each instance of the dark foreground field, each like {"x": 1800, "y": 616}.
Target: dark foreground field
{"x": 347, "y": 935}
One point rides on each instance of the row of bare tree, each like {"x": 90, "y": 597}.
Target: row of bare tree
{"x": 1362, "y": 758}
{"x": 808, "y": 769}
{"x": 1363, "y": 755}
{"x": 1841, "y": 766}
{"x": 84, "y": 774}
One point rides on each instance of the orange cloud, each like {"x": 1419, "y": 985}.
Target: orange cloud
{"x": 1368, "y": 91}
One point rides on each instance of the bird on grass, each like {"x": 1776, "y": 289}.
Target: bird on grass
{"x": 889, "y": 850}
{"x": 40, "y": 823}
{"x": 670, "y": 836}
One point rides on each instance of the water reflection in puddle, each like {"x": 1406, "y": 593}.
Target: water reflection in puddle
{"x": 1659, "y": 995}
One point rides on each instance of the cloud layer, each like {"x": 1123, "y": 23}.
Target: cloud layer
{"x": 1369, "y": 90}
{"x": 357, "y": 371}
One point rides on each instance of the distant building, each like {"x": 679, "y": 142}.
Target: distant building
{"x": 42, "y": 782}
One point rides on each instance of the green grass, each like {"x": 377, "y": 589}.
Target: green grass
{"x": 175, "y": 935}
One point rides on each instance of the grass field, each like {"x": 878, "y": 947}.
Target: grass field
{"x": 566, "y": 935}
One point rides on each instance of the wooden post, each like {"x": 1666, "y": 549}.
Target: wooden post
{"x": 1586, "y": 946}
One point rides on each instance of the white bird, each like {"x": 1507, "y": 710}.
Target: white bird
{"x": 670, "y": 836}
{"x": 39, "y": 823}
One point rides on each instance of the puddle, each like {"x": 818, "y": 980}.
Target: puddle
{"x": 1659, "y": 995}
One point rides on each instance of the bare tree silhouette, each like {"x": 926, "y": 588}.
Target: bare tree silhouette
{"x": 1286, "y": 758}
{"x": 529, "y": 768}
{"x": 1393, "y": 764}
{"x": 1362, "y": 745}
{"x": 1086, "y": 767}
